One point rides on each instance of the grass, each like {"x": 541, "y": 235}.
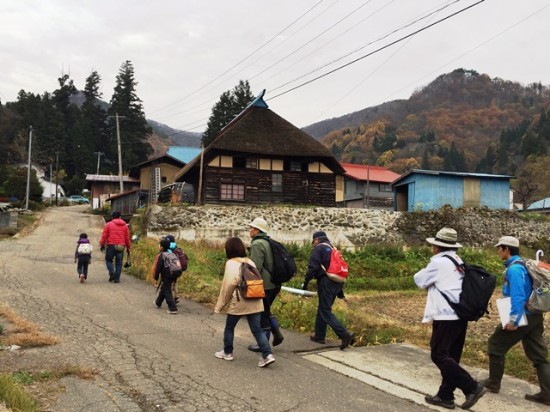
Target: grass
{"x": 23, "y": 333}
{"x": 14, "y": 396}
{"x": 383, "y": 304}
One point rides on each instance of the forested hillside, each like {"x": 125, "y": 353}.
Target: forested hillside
{"x": 462, "y": 121}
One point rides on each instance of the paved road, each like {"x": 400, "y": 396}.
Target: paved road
{"x": 149, "y": 360}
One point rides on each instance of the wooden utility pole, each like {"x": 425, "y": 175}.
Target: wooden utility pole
{"x": 119, "y": 154}
{"x": 28, "y": 191}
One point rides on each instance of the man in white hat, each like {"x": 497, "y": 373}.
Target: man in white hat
{"x": 518, "y": 286}
{"x": 442, "y": 276}
{"x": 262, "y": 256}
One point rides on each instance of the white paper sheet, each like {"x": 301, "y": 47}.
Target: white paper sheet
{"x": 504, "y": 305}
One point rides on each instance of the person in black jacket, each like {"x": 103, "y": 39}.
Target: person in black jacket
{"x": 327, "y": 291}
{"x": 161, "y": 273}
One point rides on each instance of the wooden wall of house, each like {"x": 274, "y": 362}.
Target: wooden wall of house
{"x": 302, "y": 188}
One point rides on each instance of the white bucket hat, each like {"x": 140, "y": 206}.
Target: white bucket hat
{"x": 260, "y": 224}
{"x": 508, "y": 241}
{"x": 446, "y": 237}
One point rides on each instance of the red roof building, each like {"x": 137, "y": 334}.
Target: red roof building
{"x": 367, "y": 186}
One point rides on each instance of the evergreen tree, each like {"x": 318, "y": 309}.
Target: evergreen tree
{"x": 132, "y": 123}
{"x": 425, "y": 160}
{"x": 231, "y": 103}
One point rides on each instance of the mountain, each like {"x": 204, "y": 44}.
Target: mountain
{"x": 461, "y": 115}
{"x": 175, "y": 137}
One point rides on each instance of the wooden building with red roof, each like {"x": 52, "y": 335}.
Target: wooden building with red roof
{"x": 368, "y": 186}
{"x": 260, "y": 158}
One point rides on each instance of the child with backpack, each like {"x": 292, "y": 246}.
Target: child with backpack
{"x": 83, "y": 256}
{"x": 183, "y": 260}
{"x": 164, "y": 274}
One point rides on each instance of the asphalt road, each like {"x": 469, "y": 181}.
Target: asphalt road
{"x": 147, "y": 359}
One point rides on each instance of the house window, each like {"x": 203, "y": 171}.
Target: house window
{"x": 295, "y": 166}
{"x": 385, "y": 187}
{"x": 252, "y": 163}
{"x": 163, "y": 179}
{"x": 230, "y": 191}
{"x": 276, "y": 182}
{"x": 239, "y": 162}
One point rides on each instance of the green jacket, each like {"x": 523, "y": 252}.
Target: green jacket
{"x": 260, "y": 254}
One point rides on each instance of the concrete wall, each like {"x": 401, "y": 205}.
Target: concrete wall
{"x": 8, "y": 219}
{"x": 347, "y": 227}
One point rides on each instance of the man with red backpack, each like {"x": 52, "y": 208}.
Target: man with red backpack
{"x": 327, "y": 290}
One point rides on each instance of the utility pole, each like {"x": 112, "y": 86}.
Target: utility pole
{"x": 27, "y": 193}
{"x": 119, "y": 155}
{"x": 56, "y": 175}
{"x": 99, "y": 154}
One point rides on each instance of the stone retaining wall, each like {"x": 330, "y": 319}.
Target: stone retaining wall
{"x": 347, "y": 227}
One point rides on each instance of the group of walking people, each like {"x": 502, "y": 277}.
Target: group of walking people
{"x": 263, "y": 324}
{"x": 442, "y": 277}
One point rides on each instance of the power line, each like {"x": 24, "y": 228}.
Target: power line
{"x": 241, "y": 61}
{"x": 377, "y": 50}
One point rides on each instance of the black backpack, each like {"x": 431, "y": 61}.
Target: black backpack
{"x": 284, "y": 266}
{"x": 477, "y": 288}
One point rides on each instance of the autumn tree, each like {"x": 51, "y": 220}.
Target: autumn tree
{"x": 230, "y": 104}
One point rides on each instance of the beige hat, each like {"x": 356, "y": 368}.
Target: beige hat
{"x": 446, "y": 237}
{"x": 508, "y": 241}
{"x": 260, "y": 224}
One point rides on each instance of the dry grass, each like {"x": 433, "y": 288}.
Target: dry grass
{"x": 21, "y": 332}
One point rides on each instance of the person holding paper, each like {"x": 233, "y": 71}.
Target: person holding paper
{"x": 518, "y": 286}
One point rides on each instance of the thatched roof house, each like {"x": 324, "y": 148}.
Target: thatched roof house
{"x": 260, "y": 158}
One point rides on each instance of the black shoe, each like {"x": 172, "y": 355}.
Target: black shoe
{"x": 116, "y": 281}
{"x": 539, "y": 398}
{"x": 318, "y": 340}
{"x": 348, "y": 340}
{"x": 436, "y": 400}
{"x": 472, "y": 398}
{"x": 254, "y": 348}
{"x": 490, "y": 385}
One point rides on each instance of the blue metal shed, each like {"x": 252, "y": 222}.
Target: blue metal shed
{"x": 430, "y": 190}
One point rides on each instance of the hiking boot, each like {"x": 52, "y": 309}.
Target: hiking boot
{"x": 318, "y": 340}
{"x": 436, "y": 400}
{"x": 472, "y": 398}
{"x": 172, "y": 312}
{"x": 81, "y": 278}
{"x": 111, "y": 277}
{"x": 539, "y": 398}
{"x": 491, "y": 386}
{"x": 266, "y": 361}
{"x": 155, "y": 303}
{"x": 254, "y": 348}
{"x": 347, "y": 340}
{"x": 225, "y": 356}
{"x": 116, "y": 281}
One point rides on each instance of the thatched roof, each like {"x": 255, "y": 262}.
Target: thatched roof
{"x": 258, "y": 130}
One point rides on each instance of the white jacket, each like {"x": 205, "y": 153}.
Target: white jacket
{"x": 441, "y": 275}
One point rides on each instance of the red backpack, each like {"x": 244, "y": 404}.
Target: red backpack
{"x": 337, "y": 271}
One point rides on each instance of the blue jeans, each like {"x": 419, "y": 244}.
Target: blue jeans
{"x": 327, "y": 290}
{"x": 255, "y": 328}
{"x": 110, "y": 254}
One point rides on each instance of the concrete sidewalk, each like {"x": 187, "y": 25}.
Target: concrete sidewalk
{"x": 407, "y": 372}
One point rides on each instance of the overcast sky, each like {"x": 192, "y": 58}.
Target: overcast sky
{"x": 187, "y": 53}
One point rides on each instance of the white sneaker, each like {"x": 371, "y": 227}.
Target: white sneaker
{"x": 266, "y": 361}
{"x": 225, "y": 356}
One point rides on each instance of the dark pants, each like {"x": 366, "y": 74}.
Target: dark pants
{"x": 327, "y": 290}
{"x": 165, "y": 294}
{"x": 446, "y": 345}
{"x": 254, "y": 324}
{"x": 530, "y": 335}
{"x": 268, "y": 300}
{"x": 110, "y": 255}
{"x": 82, "y": 265}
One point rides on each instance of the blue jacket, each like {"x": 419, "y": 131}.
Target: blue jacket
{"x": 518, "y": 286}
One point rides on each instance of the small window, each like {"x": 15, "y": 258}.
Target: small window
{"x": 295, "y": 166}
{"x": 276, "y": 183}
{"x": 163, "y": 179}
{"x": 230, "y": 191}
{"x": 385, "y": 187}
{"x": 239, "y": 162}
{"x": 252, "y": 163}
